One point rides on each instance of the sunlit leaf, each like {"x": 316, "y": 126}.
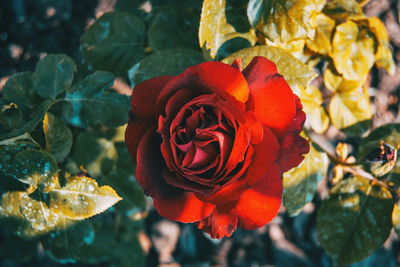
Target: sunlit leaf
{"x": 300, "y": 183}
{"x": 82, "y": 198}
{"x": 63, "y": 245}
{"x": 341, "y": 9}
{"x": 354, "y": 220}
{"x": 223, "y": 30}
{"x": 349, "y": 111}
{"x": 383, "y": 54}
{"x": 168, "y": 62}
{"x": 353, "y": 50}
{"x": 294, "y": 47}
{"x": 91, "y": 102}
{"x": 58, "y": 137}
{"x": 53, "y": 75}
{"x": 396, "y": 217}
{"x": 336, "y": 83}
{"x": 174, "y": 28}
{"x": 283, "y": 20}
{"x": 96, "y": 154}
{"x": 114, "y": 42}
{"x": 35, "y": 216}
{"x": 311, "y": 98}
{"x": 296, "y": 73}
{"x": 321, "y": 43}
{"x": 30, "y": 166}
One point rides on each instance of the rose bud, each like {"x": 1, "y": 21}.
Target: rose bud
{"x": 212, "y": 143}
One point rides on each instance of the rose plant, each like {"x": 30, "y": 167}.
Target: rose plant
{"x": 212, "y": 143}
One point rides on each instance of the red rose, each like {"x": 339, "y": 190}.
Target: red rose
{"x": 211, "y": 143}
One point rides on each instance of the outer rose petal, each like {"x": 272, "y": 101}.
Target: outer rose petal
{"x": 271, "y": 98}
{"x": 293, "y": 146}
{"x": 133, "y": 133}
{"x": 206, "y": 78}
{"x": 144, "y": 98}
{"x": 143, "y": 101}
{"x": 220, "y": 223}
{"x": 170, "y": 202}
{"x": 260, "y": 204}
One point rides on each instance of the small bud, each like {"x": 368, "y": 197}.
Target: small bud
{"x": 381, "y": 160}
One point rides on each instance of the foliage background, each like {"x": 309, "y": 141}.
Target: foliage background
{"x": 50, "y": 26}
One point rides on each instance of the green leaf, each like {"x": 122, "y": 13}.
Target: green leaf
{"x": 396, "y": 217}
{"x": 33, "y": 167}
{"x": 15, "y": 249}
{"x": 283, "y": 20}
{"x": 58, "y": 137}
{"x": 82, "y": 198}
{"x": 127, "y": 186}
{"x": 34, "y": 216}
{"x": 168, "y": 62}
{"x": 349, "y": 111}
{"x": 353, "y": 51}
{"x": 300, "y": 183}
{"x": 10, "y": 117}
{"x": 91, "y": 102}
{"x": 53, "y": 75}
{"x": 31, "y": 122}
{"x": 296, "y": 73}
{"x": 96, "y": 154}
{"x": 223, "y": 30}
{"x": 354, "y": 220}
{"x": 18, "y": 90}
{"x": 342, "y": 9}
{"x": 114, "y": 42}
{"x": 63, "y": 245}
{"x": 174, "y": 28}
{"x": 117, "y": 250}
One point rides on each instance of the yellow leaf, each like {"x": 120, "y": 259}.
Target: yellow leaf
{"x": 353, "y": 51}
{"x": 35, "y": 216}
{"x": 284, "y": 20}
{"x": 311, "y": 98}
{"x": 349, "y": 109}
{"x": 341, "y": 9}
{"x": 82, "y": 198}
{"x": 295, "y": 72}
{"x": 294, "y": 47}
{"x": 383, "y": 54}
{"x": 321, "y": 43}
{"x": 336, "y": 83}
{"x": 319, "y": 120}
{"x": 215, "y": 31}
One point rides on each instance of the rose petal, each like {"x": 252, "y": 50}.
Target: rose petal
{"x": 293, "y": 146}
{"x": 271, "y": 98}
{"x": 144, "y": 96}
{"x": 206, "y": 78}
{"x": 184, "y": 207}
{"x": 170, "y": 202}
{"x": 220, "y": 223}
{"x": 260, "y": 204}
{"x": 263, "y": 157}
{"x": 133, "y": 133}
{"x": 237, "y": 64}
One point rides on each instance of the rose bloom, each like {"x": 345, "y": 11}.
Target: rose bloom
{"x": 212, "y": 143}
